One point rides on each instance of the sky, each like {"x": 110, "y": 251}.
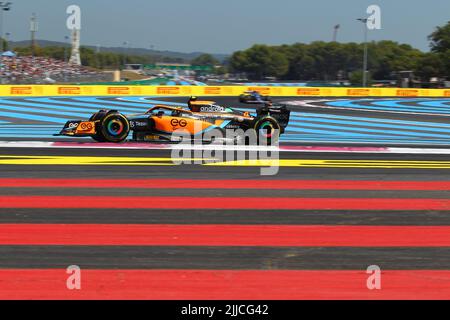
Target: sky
{"x": 228, "y": 25}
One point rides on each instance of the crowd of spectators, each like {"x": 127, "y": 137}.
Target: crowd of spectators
{"x": 37, "y": 70}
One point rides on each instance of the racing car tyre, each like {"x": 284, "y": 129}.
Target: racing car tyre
{"x": 114, "y": 127}
{"x": 243, "y": 98}
{"x": 98, "y": 136}
{"x": 264, "y": 128}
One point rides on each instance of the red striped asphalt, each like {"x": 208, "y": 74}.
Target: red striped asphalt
{"x": 98, "y": 202}
{"x": 223, "y": 284}
{"x": 225, "y": 184}
{"x": 224, "y": 235}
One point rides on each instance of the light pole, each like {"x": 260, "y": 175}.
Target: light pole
{"x": 33, "y": 30}
{"x": 66, "y": 43}
{"x": 4, "y": 6}
{"x": 7, "y": 39}
{"x": 125, "y": 58}
{"x": 364, "y": 21}
{"x": 335, "y": 32}
{"x": 97, "y": 57}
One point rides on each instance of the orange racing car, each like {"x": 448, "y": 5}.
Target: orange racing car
{"x": 161, "y": 121}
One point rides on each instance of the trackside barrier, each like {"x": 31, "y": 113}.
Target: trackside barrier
{"x": 117, "y": 90}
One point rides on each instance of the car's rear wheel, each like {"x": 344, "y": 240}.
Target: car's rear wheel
{"x": 268, "y": 131}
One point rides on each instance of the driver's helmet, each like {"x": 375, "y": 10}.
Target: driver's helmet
{"x": 192, "y": 98}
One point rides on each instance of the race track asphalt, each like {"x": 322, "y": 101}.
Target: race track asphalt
{"x": 159, "y": 230}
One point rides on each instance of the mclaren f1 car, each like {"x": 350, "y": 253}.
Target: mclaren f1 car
{"x": 160, "y": 122}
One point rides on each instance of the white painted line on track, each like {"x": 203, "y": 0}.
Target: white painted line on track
{"x": 372, "y": 143}
{"x": 150, "y": 146}
{"x": 307, "y": 103}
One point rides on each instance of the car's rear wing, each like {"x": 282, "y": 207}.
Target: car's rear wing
{"x": 279, "y": 112}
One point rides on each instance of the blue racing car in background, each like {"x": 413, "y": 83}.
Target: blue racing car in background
{"x": 254, "y": 97}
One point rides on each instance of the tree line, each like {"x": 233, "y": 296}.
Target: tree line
{"x": 332, "y": 60}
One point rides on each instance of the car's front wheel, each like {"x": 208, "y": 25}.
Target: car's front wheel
{"x": 114, "y": 127}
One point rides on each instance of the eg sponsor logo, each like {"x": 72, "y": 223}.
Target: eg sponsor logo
{"x": 175, "y": 123}
{"x": 86, "y": 126}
